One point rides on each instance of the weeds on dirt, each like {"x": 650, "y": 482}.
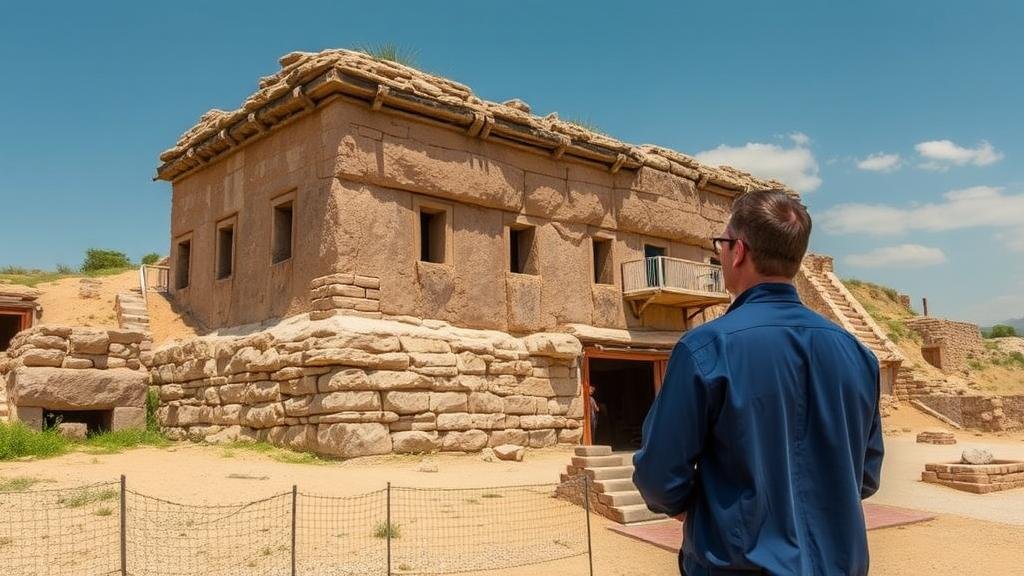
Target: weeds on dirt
{"x": 86, "y": 497}
{"x": 114, "y": 442}
{"x": 272, "y": 452}
{"x": 20, "y": 441}
{"x": 19, "y": 484}
{"x": 390, "y": 530}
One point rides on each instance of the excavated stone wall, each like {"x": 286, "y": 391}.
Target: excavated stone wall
{"x": 988, "y": 413}
{"x": 62, "y": 368}
{"x": 958, "y": 342}
{"x": 348, "y": 385}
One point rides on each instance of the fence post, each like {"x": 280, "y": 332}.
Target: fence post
{"x": 388, "y": 527}
{"x": 295, "y": 499}
{"x": 124, "y": 531}
{"x": 586, "y": 508}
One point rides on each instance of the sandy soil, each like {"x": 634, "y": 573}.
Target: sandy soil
{"x": 62, "y": 304}
{"x": 971, "y": 530}
{"x": 166, "y": 322}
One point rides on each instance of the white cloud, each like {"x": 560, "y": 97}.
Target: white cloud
{"x": 881, "y": 162}
{"x": 976, "y": 207}
{"x": 902, "y": 256}
{"x": 794, "y": 166}
{"x": 1013, "y": 239}
{"x": 941, "y": 154}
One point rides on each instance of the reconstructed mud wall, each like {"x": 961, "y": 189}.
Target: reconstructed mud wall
{"x": 62, "y": 368}
{"x": 358, "y": 178}
{"x": 350, "y": 385}
{"x": 958, "y": 341}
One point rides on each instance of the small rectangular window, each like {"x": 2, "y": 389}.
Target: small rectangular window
{"x": 432, "y": 235}
{"x": 522, "y": 257}
{"x": 603, "y": 271}
{"x": 181, "y": 264}
{"x": 281, "y": 235}
{"x": 225, "y": 251}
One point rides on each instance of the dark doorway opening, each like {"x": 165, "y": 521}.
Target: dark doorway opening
{"x": 624, "y": 391}
{"x": 10, "y": 324}
{"x": 94, "y": 420}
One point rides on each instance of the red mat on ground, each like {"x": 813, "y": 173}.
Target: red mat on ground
{"x": 668, "y": 534}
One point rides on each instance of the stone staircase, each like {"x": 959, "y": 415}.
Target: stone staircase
{"x": 612, "y": 493}
{"x": 131, "y": 311}
{"x": 841, "y": 307}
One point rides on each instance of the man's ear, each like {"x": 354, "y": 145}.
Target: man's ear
{"x": 740, "y": 254}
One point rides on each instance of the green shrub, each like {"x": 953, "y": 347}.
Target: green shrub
{"x": 387, "y": 530}
{"x": 65, "y": 270}
{"x": 391, "y": 51}
{"x": 151, "y": 258}
{"x": 152, "y": 403}
{"x": 1002, "y": 331}
{"x": 19, "y": 441}
{"x": 96, "y": 259}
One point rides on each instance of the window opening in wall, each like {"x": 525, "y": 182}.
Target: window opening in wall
{"x": 181, "y": 265}
{"x": 522, "y": 243}
{"x": 603, "y": 271}
{"x": 281, "y": 240}
{"x": 225, "y": 251}
{"x": 432, "y": 235}
{"x": 10, "y": 324}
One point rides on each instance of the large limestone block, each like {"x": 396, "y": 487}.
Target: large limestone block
{"x": 424, "y": 345}
{"x": 347, "y": 401}
{"x": 128, "y": 418}
{"x": 300, "y": 437}
{"x": 426, "y": 422}
{"x": 509, "y": 436}
{"x": 468, "y": 441}
{"x": 543, "y": 438}
{"x": 441, "y": 402}
{"x": 511, "y": 452}
{"x": 486, "y": 403}
{"x": 464, "y": 421}
{"x": 39, "y": 357}
{"x": 520, "y": 404}
{"x": 570, "y": 436}
{"x": 353, "y": 440}
{"x": 263, "y": 416}
{"x": 356, "y": 358}
{"x": 344, "y": 379}
{"x": 66, "y": 389}
{"x": 415, "y": 442}
{"x": 395, "y": 380}
{"x": 89, "y": 342}
{"x": 265, "y": 391}
{"x": 470, "y": 363}
{"x": 402, "y": 402}
{"x": 553, "y": 345}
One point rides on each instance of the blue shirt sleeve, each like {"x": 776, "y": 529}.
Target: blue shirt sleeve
{"x": 873, "y": 457}
{"x": 673, "y": 436}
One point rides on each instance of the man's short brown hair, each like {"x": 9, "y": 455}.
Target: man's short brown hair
{"x": 775, "y": 227}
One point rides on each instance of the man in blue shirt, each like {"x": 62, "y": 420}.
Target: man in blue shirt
{"x": 766, "y": 434}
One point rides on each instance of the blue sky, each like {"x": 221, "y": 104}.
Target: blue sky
{"x": 900, "y": 121}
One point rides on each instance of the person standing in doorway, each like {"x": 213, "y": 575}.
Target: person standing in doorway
{"x": 766, "y": 433}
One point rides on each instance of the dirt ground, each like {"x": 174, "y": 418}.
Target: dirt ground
{"x": 982, "y": 533}
{"x": 62, "y": 304}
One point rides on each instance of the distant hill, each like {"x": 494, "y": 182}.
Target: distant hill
{"x": 1018, "y": 324}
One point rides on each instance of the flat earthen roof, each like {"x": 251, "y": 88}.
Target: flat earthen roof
{"x": 308, "y": 79}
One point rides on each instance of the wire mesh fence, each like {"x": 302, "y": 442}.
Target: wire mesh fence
{"x": 109, "y": 529}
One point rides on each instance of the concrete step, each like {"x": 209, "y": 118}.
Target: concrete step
{"x": 593, "y": 450}
{"x": 610, "y": 473}
{"x": 614, "y": 485}
{"x": 627, "y": 498}
{"x": 597, "y": 461}
{"x": 634, "y": 513}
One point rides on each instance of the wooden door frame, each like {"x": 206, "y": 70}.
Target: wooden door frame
{"x": 659, "y": 362}
{"x": 25, "y": 315}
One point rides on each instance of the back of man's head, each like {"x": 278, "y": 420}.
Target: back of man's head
{"x": 775, "y": 227}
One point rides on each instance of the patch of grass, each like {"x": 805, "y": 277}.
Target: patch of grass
{"x": 152, "y": 403}
{"x": 20, "y": 441}
{"x": 491, "y": 495}
{"x": 113, "y": 442}
{"x": 975, "y": 364}
{"x": 104, "y": 511}
{"x": 33, "y": 277}
{"x": 19, "y": 484}
{"x": 272, "y": 452}
{"x": 586, "y": 124}
{"x": 387, "y": 530}
{"x": 86, "y": 497}
{"x": 391, "y": 51}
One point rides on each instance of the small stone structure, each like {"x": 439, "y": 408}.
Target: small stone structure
{"x": 936, "y": 437}
{"x": 948, "y": 345}
{"x": 88, "y": 375}
{"x": 345, "y": 293}
{"x": 348, "y": 385}
{"x": 977, "y": 478}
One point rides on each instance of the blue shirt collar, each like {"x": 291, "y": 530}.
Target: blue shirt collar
{"x": 767, "y": 292}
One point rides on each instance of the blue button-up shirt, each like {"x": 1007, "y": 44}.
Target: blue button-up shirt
{"x": 766, "y": 433}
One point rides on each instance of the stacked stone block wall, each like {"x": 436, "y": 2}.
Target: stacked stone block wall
{"x": 348, "y": 386}
{"x": 979, "y": 479}
{"x": 958, "y": 341}
{"x": 63, "y": 368}
{"x": 988, "y": 413}
{"x": 345, "y": 294}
